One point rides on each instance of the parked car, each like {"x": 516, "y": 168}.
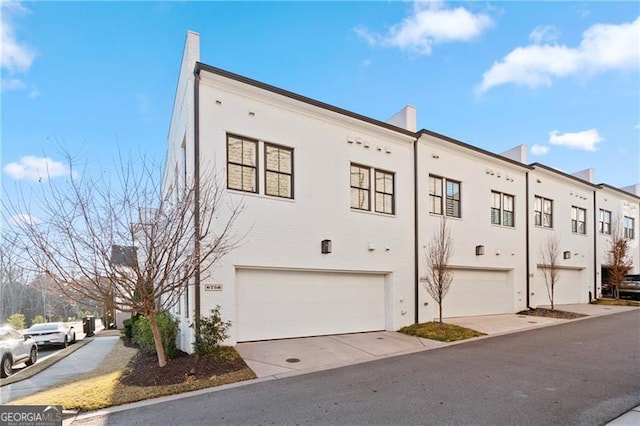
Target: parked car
{"x": 630, "y": 286}
{"x": 52, "y": 333}
{"x": 16, "y": 348}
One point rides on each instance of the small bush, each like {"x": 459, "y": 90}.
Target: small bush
{"x": 129, "y": 325}
{"x": 16, "y": 321}
{"x": 168, "y": 327}
{"x": 38, "y": 319}
{"x": 213, "y": 331}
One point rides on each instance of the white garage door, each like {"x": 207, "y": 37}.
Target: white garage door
{"x": 477, "y": 292}
{"x": 569, "y": 288}
{"x": 276, "y": 304}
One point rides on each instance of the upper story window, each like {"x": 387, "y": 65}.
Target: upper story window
{"x": 578, "y": 220}
{"x": 278, "y": 171}
{"x": 242, "y": 164}
{"x": 502, "y": 209}
{"x": 384, "y": 192}
{"x": 605, "y": 222}
{"x": 628, "y": 224}
{"x": 451, "y": 189}
{"x": 360, "y": 184}
{"x": 543, "y": 212}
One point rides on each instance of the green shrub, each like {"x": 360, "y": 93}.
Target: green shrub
{"x": 213, "y": 331}
{"x": 17, "y": 321}
{"x": 168, "y": 327}
{"x": 38, "y": 319}
{"x": 129, "y": 324}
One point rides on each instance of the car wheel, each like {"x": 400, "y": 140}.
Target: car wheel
{"x": 73, "y": 337}
{"x": 33, "y": 356}
{"x": 66, "y": 342}
{"x": 7, "y": 366}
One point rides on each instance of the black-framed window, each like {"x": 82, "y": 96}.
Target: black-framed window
{"x": 453, "y": 198}
{"x": 502, "y": 209}
{"x": 242, "y": 164}
{"x": 451, "y": 203}
{"x": 435, "y": 195}
{"x": 605, "y": 222}
{"x": 385, "y": 190}
{"x": 278, "y": 171}
{"x": 360, "y": 187}
{"x": 628, "y": 224}
{"x": 578, "y": 220}
{"x": 543, "y": 212}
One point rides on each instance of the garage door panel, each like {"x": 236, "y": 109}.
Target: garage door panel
{"x": 477, "y": 292}
{"x": 279, "y": 304}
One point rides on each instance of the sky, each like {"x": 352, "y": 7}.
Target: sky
{"x": 94, "y": 78}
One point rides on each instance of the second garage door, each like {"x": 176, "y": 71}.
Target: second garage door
{"x": 477, "y": 292}
{"x": 276, "y": 304}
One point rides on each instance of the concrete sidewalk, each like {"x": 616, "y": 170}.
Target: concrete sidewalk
{"x": 79, "y": 362}
{"x": 286, "y": 357}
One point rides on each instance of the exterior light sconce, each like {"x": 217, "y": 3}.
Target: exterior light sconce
{"x": 566, "y": 254}
{"x": 325, "y": 246}
{"x": 251, "y": 113}
{"x": 479, "y": 250}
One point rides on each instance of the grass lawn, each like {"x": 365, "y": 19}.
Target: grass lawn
{"x": 442, "y": 332}
{"x": 619, "y": 302}
{"x": 101, "y": 388}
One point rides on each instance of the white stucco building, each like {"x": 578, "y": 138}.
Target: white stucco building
{"x": 338, "y": 208}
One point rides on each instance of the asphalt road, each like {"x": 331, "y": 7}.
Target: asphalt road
{"x": 580, "y": 373}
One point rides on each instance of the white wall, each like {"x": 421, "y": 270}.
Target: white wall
{"x": 479, "y": 174}
{"x": 565, "y": 192}
{"x": 283, "y": 233}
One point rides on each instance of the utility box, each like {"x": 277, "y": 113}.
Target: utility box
{"x": 89, "y": 326}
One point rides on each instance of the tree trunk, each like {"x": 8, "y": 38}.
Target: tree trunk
{"x": 162, "y": 360}
{"x": 440, "y": 310}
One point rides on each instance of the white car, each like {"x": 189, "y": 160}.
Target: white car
{"x": 16, "y": 348}
{"x": 52, "y": 333}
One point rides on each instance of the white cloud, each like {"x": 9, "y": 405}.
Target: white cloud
{"x": 544, "y": 34}
{"x": 604, "y": 47}
{"x": 585, "y": 140}
{"x": 539, "y": 150}
{"x": 36, "y": 169}
{"x": 25, "y": 219}
{"x": 430, "y": 23}
{"x": 15, "y": 56}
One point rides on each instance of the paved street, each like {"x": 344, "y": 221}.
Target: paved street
{"x": 584, "y": 372}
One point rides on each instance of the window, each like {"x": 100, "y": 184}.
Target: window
{"x": 435, "y": 195}
{"x": 605, "y": 222}
{"x": 502, "y": 212}
{"x": 384, "y": 192}
{"x": 242, "y": 163}
{"x": 629, "y": 227}
{"x": 452, "y": 196}
{"x": 360, "y": 181}
{"x": 578, "y": 217}
{"x": 278, "y": 169}
{"x": 543, "y": 212}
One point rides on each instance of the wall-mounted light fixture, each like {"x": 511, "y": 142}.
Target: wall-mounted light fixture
{"x": 325, "y": 246}
{"x": 566, "y": 254}
{"x": 479, "y": 250}
{"x": 251, "y": 113}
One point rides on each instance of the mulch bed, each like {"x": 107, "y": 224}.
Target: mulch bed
{"x": 144, "y": 369}
{"x": 542, "y": 312}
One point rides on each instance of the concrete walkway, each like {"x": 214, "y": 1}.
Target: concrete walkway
{"x": 79, "y": 362}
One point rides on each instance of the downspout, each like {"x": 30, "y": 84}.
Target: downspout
{"x": 415, "y": 230}
{"x": 527, "y": 238}
{"x": 595, "y": 249}
{"x": 196, "y": 181}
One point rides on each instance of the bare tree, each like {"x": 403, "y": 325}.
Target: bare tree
{"x": 84, "y": 223}
{"x": 439, "y": 275}
{"x": 617, "y": 257}
{"x": 549, "y": 256}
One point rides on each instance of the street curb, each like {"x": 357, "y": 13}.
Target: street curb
{"x": 139, "y": 404}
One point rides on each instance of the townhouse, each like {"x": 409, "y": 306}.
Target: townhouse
{"x": 339, "y": 207}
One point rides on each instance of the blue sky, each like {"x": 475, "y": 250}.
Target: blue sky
{"x": 93, "y": 77}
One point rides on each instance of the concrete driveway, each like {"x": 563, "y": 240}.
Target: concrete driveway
{"x": 286, "y": 357}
